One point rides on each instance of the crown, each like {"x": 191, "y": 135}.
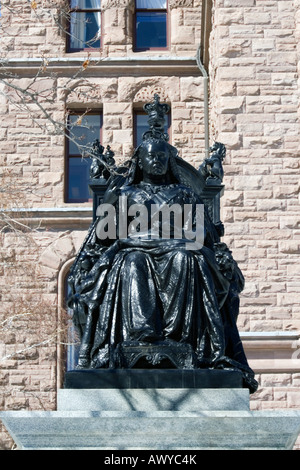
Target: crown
{"x": 156, "y": 120}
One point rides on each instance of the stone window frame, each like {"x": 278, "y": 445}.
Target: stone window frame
{"x": 62, "y": 344}
{"x": 71, "y": 349}
{"x": 70, "y": 49}
{"x": 77, "y": 111}
{"x": 168, "y": 35}
{"x": 206, "y": 28}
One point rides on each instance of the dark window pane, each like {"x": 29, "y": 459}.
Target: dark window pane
{"x": 85, "y": 30}
{"x": 85, "y": 133}
{"x": 152, "y": 4}
{"x": 141, "y": 127}
{"x": 83, "y": 130}
{"x": 84, "y": 4}
{"x": 78, "y": 178}
{"x": 73, "y": 343}
{"x": 73, "y": 346}
{"x": 151, "y": 30}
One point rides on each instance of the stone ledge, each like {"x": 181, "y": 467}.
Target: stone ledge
{"x": 272, "y": 351}
{"x": 145, "y": 64}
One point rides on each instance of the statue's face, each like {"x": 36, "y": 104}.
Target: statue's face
{"x": 154, "y": 160}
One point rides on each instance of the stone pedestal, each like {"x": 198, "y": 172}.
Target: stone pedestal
{"x": 152, "y": 417}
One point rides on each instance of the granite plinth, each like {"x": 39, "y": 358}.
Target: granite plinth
{"x": 152, "y": 399}
{"x": 153, "y": 418}
{"x": 153, "y": 378}
{"x": 156, "y": 430}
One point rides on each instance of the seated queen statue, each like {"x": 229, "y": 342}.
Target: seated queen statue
{"x": 152, "y": 285}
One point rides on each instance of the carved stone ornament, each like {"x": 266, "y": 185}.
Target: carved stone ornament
{"x": 180, "y": 4}
{"x": 85, "y": 94}
{"x": 130, "y": 4}
{"x": 146, "y": 94}
{"x": 107, "y": 4}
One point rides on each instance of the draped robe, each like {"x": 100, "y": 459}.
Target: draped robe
{"x": 150, "y": 291}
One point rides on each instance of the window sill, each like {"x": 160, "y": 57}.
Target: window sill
{"x": 156, "y": 62}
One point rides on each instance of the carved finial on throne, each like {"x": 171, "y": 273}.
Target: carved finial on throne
{"x": 211, "y": 168}
{"x": 102, "y": 164}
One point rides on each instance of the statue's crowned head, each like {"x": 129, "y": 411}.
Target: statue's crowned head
{"x": 155, "y": 150}
{"x": 156, "y": 120}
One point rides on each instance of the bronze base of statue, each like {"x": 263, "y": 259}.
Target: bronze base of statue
{"x": 162, "y": 354}
{"x": 152, "y": 378}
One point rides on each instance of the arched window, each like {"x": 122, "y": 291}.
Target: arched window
{"x": 69, "y": 342}
{"x": 73, "y": 341}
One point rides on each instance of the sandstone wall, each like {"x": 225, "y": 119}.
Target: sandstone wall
{"x": 33, "y": 164}
{"x": 33, "y": 150}
{"x": 255, "y": 106}
{"x": 255, "y": 112}
{"x": 41, "y": 31}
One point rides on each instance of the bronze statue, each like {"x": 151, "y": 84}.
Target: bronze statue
{"x": 154, "y": 297}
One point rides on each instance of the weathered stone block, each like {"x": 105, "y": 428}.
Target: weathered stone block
{"x": 191, "y": 88}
